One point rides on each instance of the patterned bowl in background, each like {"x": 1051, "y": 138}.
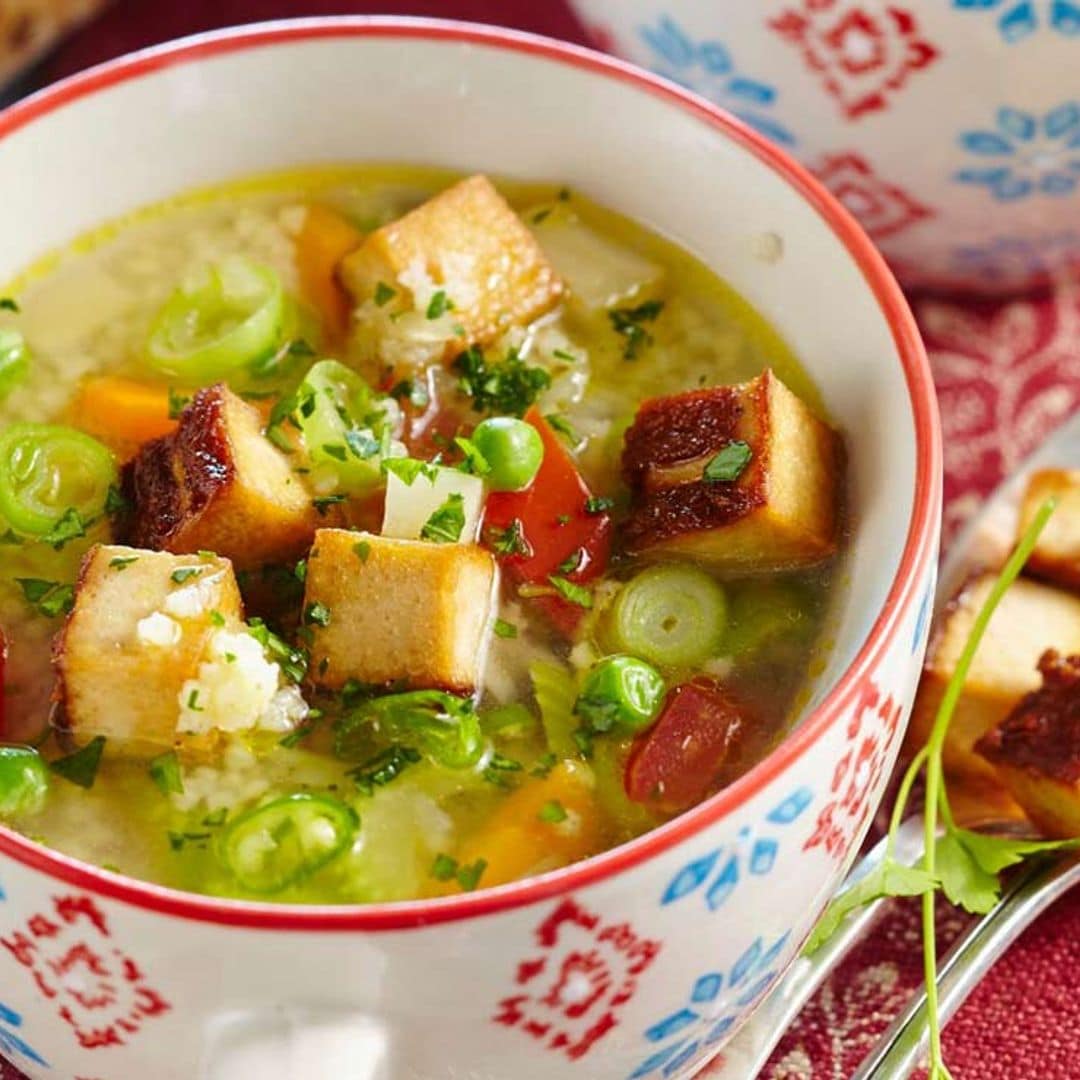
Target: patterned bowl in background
{"x": 951, "y": 128}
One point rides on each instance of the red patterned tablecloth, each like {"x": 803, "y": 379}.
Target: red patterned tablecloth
{"x": 1007, "y": 374}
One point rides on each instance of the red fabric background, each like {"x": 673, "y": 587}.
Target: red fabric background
{"x": 1007, "y": 374}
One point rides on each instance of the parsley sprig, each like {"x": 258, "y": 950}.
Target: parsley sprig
{"x": 963, "y": 864}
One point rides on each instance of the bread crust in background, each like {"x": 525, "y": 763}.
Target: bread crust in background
{"x": 28, "y": 28}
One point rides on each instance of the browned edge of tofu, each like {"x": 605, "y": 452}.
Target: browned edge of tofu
{"x": 408, "y": 611}
{"x": 217, "y": 484}
{"x": 1056, "y": 556}
{"x": 759, "y": 521}
{"x": 513, "y": 279}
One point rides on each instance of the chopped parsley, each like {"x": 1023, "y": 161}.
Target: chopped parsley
{"x": 627, "y": 322}
{"x": 216, "y": 618}
{"x": 446, "y": 868}
{"x": 508, "y": 387}
{"x": 552, "y": 812}
{"x": 69, "y": 526}
{"x": 193, "y": 701}
{"x": 729, "y": 463}
{"x": 385, "y": 766}
{"x": 573, "y": 561}
{"x": 562, "y": 519}
{"x": 563, "y": 427}
{"x": 598, "y": 504}
{"x": 115, "y": 502}
{"x": 384, "y": 294}
{"x": 412, "y": 391}
{"x": 447, "y": 522}
{"x": 323, "y": 503}
{"x": 473, "y": 460}
{"x": 7, "y": 303}
{"x": 317, "y": 614}
{"x": 48, "y": 598}
{"x": 165, "y": 772}
{"x": 81, "y": 767}
{"x": 177, "y": 403}
{"x": 122, "y": 562}
{"x": 439, "y": 305}
{"x": 544, "y": 765}
{"x": 362, "y": 549}
{"x": 509, "y": 541}
{"x": 408, "y": 469}
{"x": 300, "y": 571}
{"x": 576, "y": 594}
{"x": 292, "y": 661}
{"x": 504, "y": 629}
{"x": 185, "y": 573}
{"x": 336, "y": 450}
{"x": 562, "y": 354}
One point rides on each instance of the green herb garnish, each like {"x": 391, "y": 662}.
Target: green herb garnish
{"x": 628, "y": 323}
{"x": 508, "y": 387}
{"x": 509, "y": 541}
{"x": 165, "y": 772}
{"x": 505, "y": 629}
{"x": 729, "y": 463}
{"x": 362, "y": 549}
{"x": 385, "y": 766}
{"x": 384, "y": 294}
{"x": 48, "y": 598}
{"x": 552, "y": 812}
{"x": 122, "y": 562}
{"x": 473, "y": 461}
{"x": 447, "y": 522}
{"x": 177, "y": 403}
{"x": 576, "y": 594}
{"x": 598, "y": 504}
{"x": 7, "y": 303}
{"x": 963, "y": 864}
{"x": 408, "y": 469}
{"x": 81, "y": 767}
{"x": 324, "y": 502}
{"x": 316, "y": 614}
{"x": 439, "y": 305}
{"x": 69, "y": 526}
{"x": 185, "y": 573}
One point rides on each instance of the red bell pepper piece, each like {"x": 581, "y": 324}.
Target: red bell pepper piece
{"x": 676, "y": 762}
{"x": 555, "y": 525}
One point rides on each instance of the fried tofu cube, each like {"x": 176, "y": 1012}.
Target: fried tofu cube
{"x": 1030, "y": 618}
{"x": 1057, "y": 554}
{"x": 468, "y": 244}
{"x": 743, "y": 477}
{"x": 218, "y": 484}
{"x": 139, "y": 630}
{"x": 382, "y": 610}
{"x": 1035, "y": 750}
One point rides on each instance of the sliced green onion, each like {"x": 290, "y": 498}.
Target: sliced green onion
{"x": 48, "y": 472}
{"x": 273, "y": 846}
{"x": 165, "y": 772}
{"x": 620, "y": 691}
{"x": 671, "y": 615}
{"x": 24, "y": 781}
{"x": 342, "y": 423}
{"x": 14, "y": 359}
{"x": 229, "y": 316}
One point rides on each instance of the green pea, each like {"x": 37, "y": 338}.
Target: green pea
{"x": 24, "y": 780}
{"x": 620, "y": 691}
{"x": 513, "y": 449}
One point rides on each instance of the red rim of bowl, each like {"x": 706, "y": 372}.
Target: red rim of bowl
{"x": 918, "y": 548}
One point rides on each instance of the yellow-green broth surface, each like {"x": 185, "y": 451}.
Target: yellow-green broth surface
{"x": 88, "y": 310}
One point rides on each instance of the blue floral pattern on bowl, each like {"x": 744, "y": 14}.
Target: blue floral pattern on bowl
{"x": 720, "y": 871}
{"x": 708, "y": 69}
{"x": 716, "y": 1002}
{"x": 1017, "y": 20}
{"x": 1025, "y": 154}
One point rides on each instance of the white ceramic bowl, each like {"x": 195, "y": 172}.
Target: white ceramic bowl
{"x": 949, "y": 127}
{"x": 640, "y": 961}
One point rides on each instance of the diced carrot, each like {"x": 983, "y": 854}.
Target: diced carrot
{"x": 325, "y": 238}
{"x": 122, "y": 412}
{"x": 678, "y": 760}
{"x": 557, "y": 526}
{"x": 517, "y": 840}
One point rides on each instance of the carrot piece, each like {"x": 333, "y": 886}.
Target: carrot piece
{"x": 556, "y": 525}
{"x": 121, "y": 412}
{"x": 325, "y": 239}
{"x": 516, "y": 840}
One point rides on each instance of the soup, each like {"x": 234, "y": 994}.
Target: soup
{"x": 372, "y": 533}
